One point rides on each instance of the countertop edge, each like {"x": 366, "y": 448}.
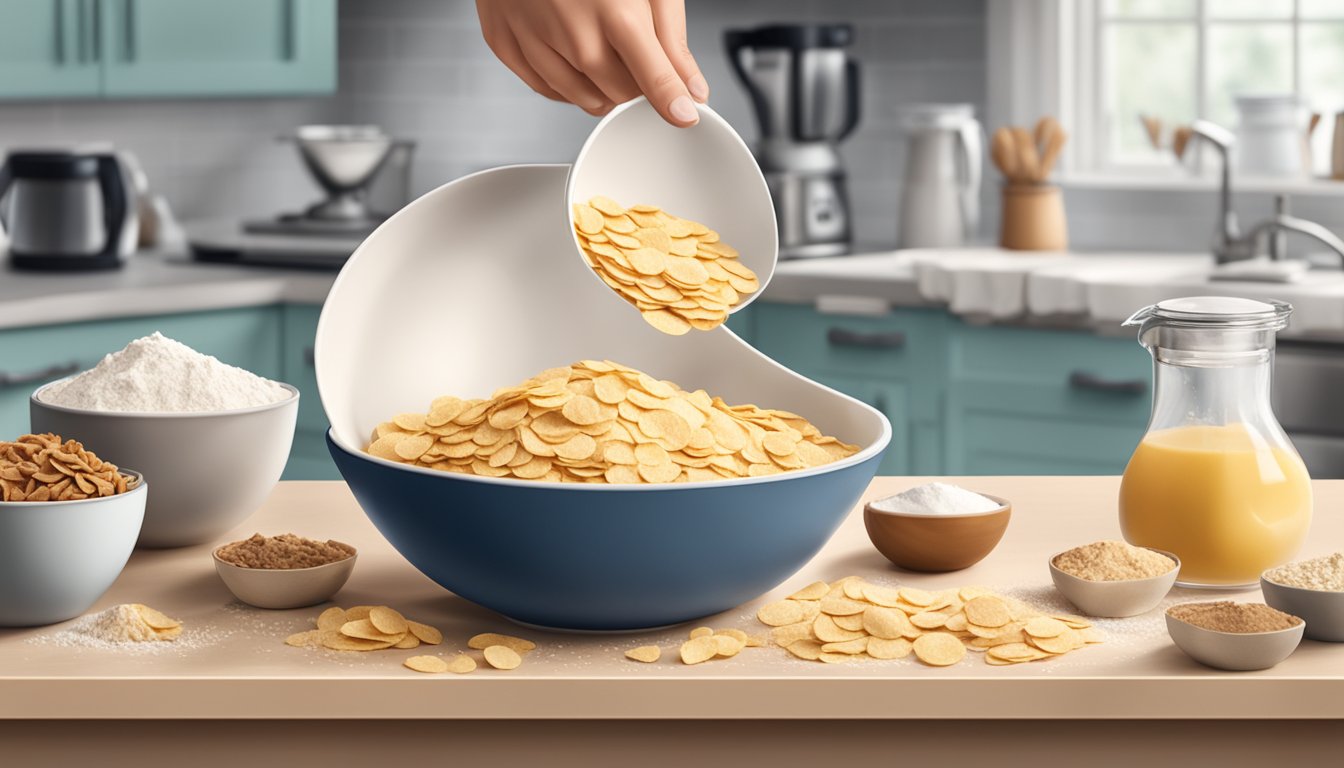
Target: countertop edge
{"x": 494, "y": 698}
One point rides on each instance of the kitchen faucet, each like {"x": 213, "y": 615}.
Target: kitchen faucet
{"x": 1228, "y": 243}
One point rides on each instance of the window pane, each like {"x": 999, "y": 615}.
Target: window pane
{"x": 1322, "y": 60}
{"x": 1150, "y": 8}
{"x": 1149, "y": 70}
{"x": 1246, "y": 58}
{"x": 1321, "y": 9}
{"x": 1249, "y": 9}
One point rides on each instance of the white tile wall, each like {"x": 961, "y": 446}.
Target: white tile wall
{"x": 420, "y": 68}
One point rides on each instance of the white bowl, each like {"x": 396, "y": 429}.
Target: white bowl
{"x": 473, "y": 287}
{"x": 470, "y": 288}
{"x": 705, "y": 173}
{"x": 1115, "y": 599}
{"x": 1234, "y": 651}
{"x": 281, "y": 588}
{"x": 210, "y": 471}
{"x": 58, "y": 557}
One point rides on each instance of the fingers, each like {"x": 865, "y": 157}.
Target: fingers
{"x": 632, "y": 34}
{"x": 506, "y": 49}
{"x": 669, "y": 22}
{"x": 572, "y": 85}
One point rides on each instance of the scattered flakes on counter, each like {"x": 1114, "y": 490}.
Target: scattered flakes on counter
{"x": 365, "y": 628}
{"x": 1325, "y": 574}
{"x": 1238, "y": 618}
{"x": 502, "y": 657}
{"x": 284, "y": 552}
{"x": 122, "y": 627}
{"x": 602, "y": 422}
{"x": 852, "y": 620}
{"x": 677, "y": 272}
{"x": 1113, "y": 561}
{"x": 46, "y": 468}
{"x": 428, "y": 664}
{"x": 645, "y": 653}
{"x": 487, "y": 639}
{"x": 707, "y": 643}
{"x": 461, "y": 664}
{"x": 156, "y": 374}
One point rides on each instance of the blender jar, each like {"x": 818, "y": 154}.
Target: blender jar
{"x": 1215, "y": 480}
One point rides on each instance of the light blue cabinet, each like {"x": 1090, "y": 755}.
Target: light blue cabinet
{"x": 47, "y": 49}
{"x": 30, "y": 357}
{"x": 975, "y": 400}
{"x": 164, "y": 48}
{"x": 212, "y": 48}
{"x": 309, "y": 460}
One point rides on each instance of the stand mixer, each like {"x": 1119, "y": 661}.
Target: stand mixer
{"x": 344, "y": 160}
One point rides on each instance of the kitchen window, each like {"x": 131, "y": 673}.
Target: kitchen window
{"x": 1100, "y": 64}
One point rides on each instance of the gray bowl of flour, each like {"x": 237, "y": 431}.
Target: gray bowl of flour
{"x": 169, "y": 411}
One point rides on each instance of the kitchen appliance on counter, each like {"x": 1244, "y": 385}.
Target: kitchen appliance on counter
{"x": 805, "y": 90}
{"x": 940, "y": 200}
{"x": 67, "y": 210}
{"x": 346, "y": 161}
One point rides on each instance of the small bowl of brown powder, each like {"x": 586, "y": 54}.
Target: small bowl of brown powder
{"x": 1234, "y": 636}
{"x": 285, "y": 571}
{"x": 1114, "y": 579}
{"x": 1312, "y": 589}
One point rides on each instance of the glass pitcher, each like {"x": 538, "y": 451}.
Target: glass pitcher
{"x": 1215, "y": 480}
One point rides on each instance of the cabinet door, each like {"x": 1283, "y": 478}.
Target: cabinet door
{"x": 891, "y": 399}
{"x": 30, "y": 357}
{"x": 47, "y": 49}
{"x": 212, "y": 48}
{"x": 309, "y": 459}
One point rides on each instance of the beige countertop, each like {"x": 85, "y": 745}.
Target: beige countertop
{"x": 150, "y": 284}
{"x": 232, "y": 663}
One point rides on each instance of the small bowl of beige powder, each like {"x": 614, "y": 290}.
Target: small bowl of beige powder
{"x": 285, "y": 571}
{"x": 1239, "y": 637}
{"x": 1113, "y": 579}
{"x": 1312, "y": 589}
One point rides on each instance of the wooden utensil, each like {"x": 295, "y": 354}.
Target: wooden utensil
{"x": 1180, "y": 139}
{"x": 1054, "y": 144}
{"x": 1153, "y": 127}
{"x": 1028, "y": 159}
{"x": 1003, "y": 150}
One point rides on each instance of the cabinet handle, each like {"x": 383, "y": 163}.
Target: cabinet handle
{"x": 128, "y": 30}
{"x": 59, "y": 6}
{"x": 309, "y": 357}
{"x": 8, "y": 379}
{"x": 843, "y": 337}
{"x": 1089, "y": 381}
{"x": 96, "y": 32}
{"x": 287, "y": 18}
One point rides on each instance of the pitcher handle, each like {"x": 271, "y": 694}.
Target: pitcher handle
{"x": 972, "y": 147}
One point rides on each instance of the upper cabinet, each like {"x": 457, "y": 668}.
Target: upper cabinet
{"x": 47, "y": 49}
{"x": 166, "y": 48}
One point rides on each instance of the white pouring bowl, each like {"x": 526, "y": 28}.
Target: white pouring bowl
{"x": 705, "y": 173}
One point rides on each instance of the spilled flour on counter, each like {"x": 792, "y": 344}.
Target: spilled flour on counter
{"x": 122, "y": 628}
{"x": 156, "y": 374}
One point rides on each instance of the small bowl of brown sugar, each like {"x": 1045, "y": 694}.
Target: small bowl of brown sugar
{"x": 1234, "y": 636}
{"x": 285, "y": 571}
{"x": 1312, "y": 589}
{"x": 1113, "y": 579}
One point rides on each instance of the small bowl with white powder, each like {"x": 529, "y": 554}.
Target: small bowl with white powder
{"x": 936, "y": 527}
{"x": 211, "y": 438}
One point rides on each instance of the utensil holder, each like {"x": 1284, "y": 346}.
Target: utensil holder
{"x": 1033, "y": 218}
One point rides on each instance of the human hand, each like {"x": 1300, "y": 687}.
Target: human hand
{"x": 599, "y": 53}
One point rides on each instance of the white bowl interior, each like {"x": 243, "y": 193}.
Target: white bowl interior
{"x": 705, "y": 173}
{"x": 473, "y": 287}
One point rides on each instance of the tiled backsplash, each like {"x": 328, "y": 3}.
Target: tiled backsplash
{"x": 421, "y": 69}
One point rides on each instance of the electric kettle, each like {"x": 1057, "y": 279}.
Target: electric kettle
{"x": 67, "y": 210}
{"x": 940, "y": 201}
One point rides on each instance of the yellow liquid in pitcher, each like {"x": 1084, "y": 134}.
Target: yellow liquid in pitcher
{"x": 1219, "y": 498}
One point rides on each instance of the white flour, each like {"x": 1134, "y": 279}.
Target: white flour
{"x": 119, "y": 628}
{"x": 157, "y": 374}
{"x": 936, "y": 499}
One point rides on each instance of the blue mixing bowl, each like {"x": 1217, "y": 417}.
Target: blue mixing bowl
{"x": 595, "y": 557}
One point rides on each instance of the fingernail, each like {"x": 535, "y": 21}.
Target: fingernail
{"x": 683, "y": 110}
{"x": 699, "y": 88}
